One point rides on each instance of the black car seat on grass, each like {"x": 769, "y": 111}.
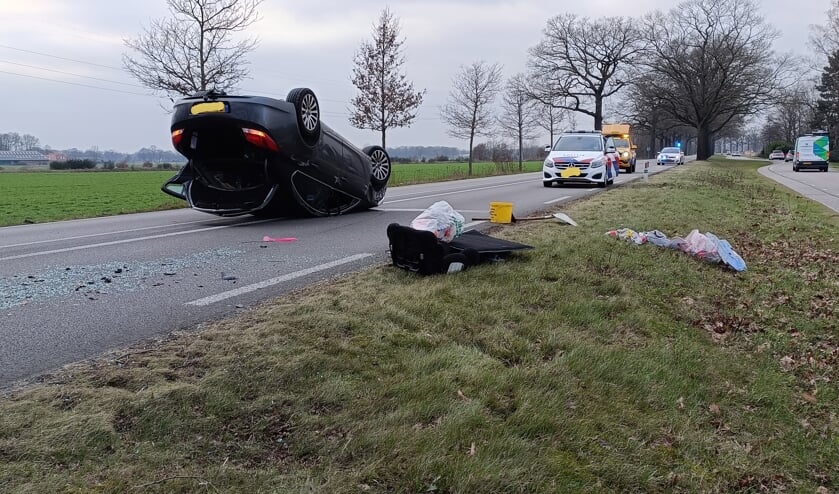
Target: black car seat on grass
{"x": 419, "y": 251}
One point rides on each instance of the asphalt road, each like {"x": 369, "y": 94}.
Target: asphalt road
{"x": 813, "y": 184}
{"x": 73, "y": 290}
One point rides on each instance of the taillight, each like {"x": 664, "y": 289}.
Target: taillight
{"x": 260, "y": 139}
{"x": 177, "y": 135}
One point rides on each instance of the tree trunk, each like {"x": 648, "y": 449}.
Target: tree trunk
{"x": 598, "y": 112}
{"x": 520, "y": 160}
{"x": 383, "y": 138}
{"x": 704, "y": 143}
{"x": 471, "y": 140}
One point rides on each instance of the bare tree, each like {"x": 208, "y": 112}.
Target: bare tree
{"x": 580, "y": 61}
{"x": 645, "y": 110}
{"x": 711, "y": 61}
{"x": 29, "y": 142}
{"x": 518, "y": 112}
{"x": 549, "y": 118}
{"x": 825, "y": 37}
{"x": 194, "y": 50}
{"x": 386, "y": 99}
{"x": 791, "y": 115}
{"x": 468, "y": 112}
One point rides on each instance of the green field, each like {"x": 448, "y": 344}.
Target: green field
{"x": 586, "y": 365}
{"x": 37, "y": 197}
{"x": 414, "y": 173}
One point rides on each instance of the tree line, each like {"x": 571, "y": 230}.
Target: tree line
{"x": 700, "y": 71}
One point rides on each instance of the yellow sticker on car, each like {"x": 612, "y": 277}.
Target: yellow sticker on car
{"x": 209, "y": 107}
{"x": 571, "y": 171}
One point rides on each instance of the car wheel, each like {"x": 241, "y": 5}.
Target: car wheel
{"x": 380, "y": 168}
{"x": 307, "y": 110}
{"x": 547, "y": 184}
{"x": 795, "y": 168}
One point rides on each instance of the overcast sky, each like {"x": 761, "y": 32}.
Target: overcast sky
{"x": 61, "y": 76}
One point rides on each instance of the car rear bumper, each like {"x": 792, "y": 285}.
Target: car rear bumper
{"x": 811, "y": 165}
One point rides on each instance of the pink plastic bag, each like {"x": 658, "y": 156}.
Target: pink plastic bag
{"x": 701, "y": 246}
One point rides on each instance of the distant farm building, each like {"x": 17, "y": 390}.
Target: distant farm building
{"x": 23, "y": 158}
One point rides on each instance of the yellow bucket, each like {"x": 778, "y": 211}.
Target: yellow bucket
{"x": 500, "y": 212}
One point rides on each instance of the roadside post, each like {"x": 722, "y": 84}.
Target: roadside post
{"x": 647, "y": 171}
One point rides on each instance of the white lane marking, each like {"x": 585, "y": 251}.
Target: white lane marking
{"x": 99, "y": 234}
{"x": 201, "y": 302}
{"x": 125, "y": 241}
{"x": 407, "y": 210}
{"x": 557, "y": 200}
{"x": 459, "y": 191}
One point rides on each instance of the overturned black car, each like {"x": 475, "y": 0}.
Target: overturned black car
{"x": 265, "y": 156}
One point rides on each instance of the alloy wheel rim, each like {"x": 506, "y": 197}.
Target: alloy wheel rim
{"x": 381, "y": 165}
{"x": 309, "y": 112}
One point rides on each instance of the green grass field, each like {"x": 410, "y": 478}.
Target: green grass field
{"x": 413, "y": 173}
{"x": 586, "y": 365}
{"x": 37, "y": 197}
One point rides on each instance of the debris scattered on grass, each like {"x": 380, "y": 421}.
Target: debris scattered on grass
{"x": 707, "y": 246}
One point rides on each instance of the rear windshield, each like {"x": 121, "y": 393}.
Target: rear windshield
{"x": 670, "y": 150}
{"x": 579, "y": 143}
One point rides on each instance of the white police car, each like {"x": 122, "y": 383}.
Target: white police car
{"x": 581, "y": 157}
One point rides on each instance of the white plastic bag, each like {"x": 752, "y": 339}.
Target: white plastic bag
{"x": 701, "y": 246}
{"x": 441, "y": 220}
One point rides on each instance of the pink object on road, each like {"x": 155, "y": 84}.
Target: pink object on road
{"x": 266, "y": 238}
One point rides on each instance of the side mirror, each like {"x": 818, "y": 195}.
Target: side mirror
{"x": 547, "y": 148}
{"x": 634, "y": 146}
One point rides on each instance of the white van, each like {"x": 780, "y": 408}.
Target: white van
{"x": 811, "y": 151}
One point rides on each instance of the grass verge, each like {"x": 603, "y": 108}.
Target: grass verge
{"x": 586, "y": 365}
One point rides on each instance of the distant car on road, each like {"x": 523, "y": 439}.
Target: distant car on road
{"x": 672, "y": 156}
{"x": 789, "y": 155}
{"x": 270, "y": 157}
{"x": 776, "y": 154}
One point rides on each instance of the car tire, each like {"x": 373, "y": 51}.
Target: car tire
{"x": 547, "y": 184}
{"x": 795, "y": 168}
{"x": 380, "y": 165}
{"x": 307, "y": 110}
